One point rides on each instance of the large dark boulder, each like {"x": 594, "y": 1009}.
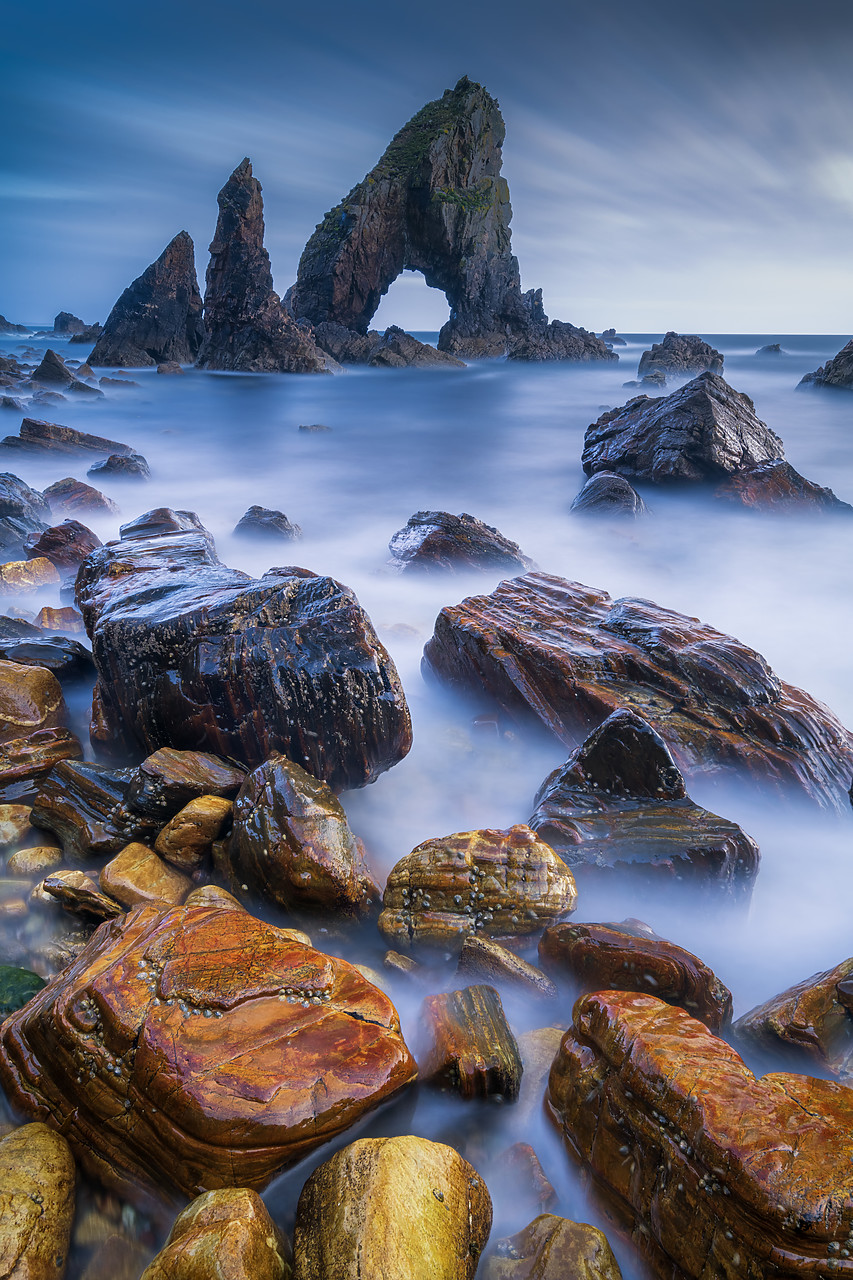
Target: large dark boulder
{"x": 703, "y": 431}
{"x": 158, "y": 317}
{"x": 837, "y": 372}
{"x": 67, "y": 324}
{"x": 53, "y": 370}
{"x": 88, "y": 335}
{"x": 776, "y": 486}
{"x": 434, "y": 541}
{"x": 65, "y": 545}
{"x": 680, "y": 354}
{"x": 194, "y": 655}
{"x": 262, "y": 522}
{"x": 606, "y": 494}
{"x": 6, "y": 326}
{"x": 23, "y": 511}
{"x": 436, "y": 203}
{"x": 247, "y": 328}
{"x": 566, "y": 656}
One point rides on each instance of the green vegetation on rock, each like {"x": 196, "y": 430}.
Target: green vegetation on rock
{"x": 17, "y": 986}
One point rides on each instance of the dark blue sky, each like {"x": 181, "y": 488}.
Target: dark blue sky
{"x": 690, "y": 168}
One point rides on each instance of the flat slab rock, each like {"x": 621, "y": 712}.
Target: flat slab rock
{"x": 438, "y": 541}
{"x": 38, "y": 436}
{"x": 567, "y": 656}
{"x": 717, "y": 1172}
{"x": 233, "y": 665}
{"x": 197, "y": 1048}
{"x": 703, "y": 431}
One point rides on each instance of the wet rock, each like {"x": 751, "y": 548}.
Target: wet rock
{"x": 619, "y": 806}
{"x": 185, "y": 841}
{"x": 70, "y": 495}
{"x": 837, "y": 372}
{"x": 162, "y": 521}
{"x": 607, "y": 494}
{"x": 261, "y": 522}
{"x": 553, "y": 1248}
{"x": 394, "y": 962}
{"x": 120, "y": 466}
{"x": 487, "y": 960}
{"x": 53, "y": 370}
{"x": 169, "y": 779}
{"x": 776, "y": 486}
{"x": 45, "y": 397}
{"x": 26, "y": 761}
{"x": 438, "y": 541}
{"x": 810, "y": 1022}
{"x": 9, "y": 402}
{"x": 15, "y": 827}
{"x": 66, "y": 324}
{"x": 223, "y": 1235}
{"x": 105, "y": 381}
{"x": 21, "y": 576}
{"x": 79, "y": 894}
{"x": 566, "y": 655}
{"x": 397, "y": 349}
{"x": 772, "y": 349}
{"x": 497, "y": 884}
{"x": 520, "y": 1186}
{"x": 35, "y": 862}
{"x": 292, "y": 845}
{"x": 85, "y": 806}
{"x": 210, "y": 895}
{"x": 236, "y": 666}
{"x": 170, "y": 367}
{"x": 401, "y": 1207}
{"x": 680, "y": 354}
{"x": 65, "y": 545}
{"x": 17, "y": 986}
{"x": 717, "y": 1172}
{"x": 117, "y": 1258}
{"x": 630, "y": 956}
{"x": 472, "y": 1049}
{"x": 23, "y": 511}
{"x": 247, "y": 327}
{"x": 155, "y": 1005}
{"x": 435, "y": 203}
{"x": 703, "y": 431}
{"x": 88, "y": 335}
{"x": 137, "y": 875}
{"x": 37, "y": 1179}
{"x": 66, "y": 659}
{"x": 30, "y": 700}
{"x": 158, "y": 317}
{"x": 67, "y": 619}
{"x": 313, "y": 427}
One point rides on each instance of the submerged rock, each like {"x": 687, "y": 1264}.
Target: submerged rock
{"x": 619, "y": 807}
{"x": 261, "y": 522}
{"x": 120, "y": 466}
{"x": 401, "y": 1207}
{"x": 436, "y": 203}
{"x": 680, "y": 354}
{"x": 53, "y": 370}
{"x": 553, "y": 1248}
{"x": 567, "y": 656}
{"x": 232, "y": 665}
{"x": 439, "y": 541}
{"x": 37, "y": 1178}
{"x": 772, "y": 349}
{"x": 487, "y": 960}
{"x": 246, "y": 326}
{"x": 718, "y": 1173}
{"x": 607, "y": 494}
{"x": 837, "y": 372}
{"x": 158, "y": 317}
{"x": 776, "y": 486}
{"x": 26, "y": 761}
{"x": 810, "y": 1022}
{"x": 396, "y": 349}
{"x": 88, "y": 335}
{"x": 17, "y": 986}
{"x": 472, "y": 1049}
{"x": 704, "y": 431}
{"x": 217, "y": 1051}
{"x": 223, "y": 1235}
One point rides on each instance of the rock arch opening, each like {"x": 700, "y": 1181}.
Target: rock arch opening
{"x": 413, "y": 305}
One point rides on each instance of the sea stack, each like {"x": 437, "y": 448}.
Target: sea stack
{"x": 158, "y": 317}
{"x": 247, "y": 327}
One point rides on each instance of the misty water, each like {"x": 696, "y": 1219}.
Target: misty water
{"x": 502, "y": 441}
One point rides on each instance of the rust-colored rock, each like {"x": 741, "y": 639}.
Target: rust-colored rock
{"x": 436, "y": 541}
{"x": 567, "y": 655}
{"x": 630, "y": 956}
{"x": 67, "y": 620}
{"x": 21, "y": 576}
{"x": 810, "y": 1022}
{"x": 85, "y": 806}
{"x": 137, "y": 875}
{"x": 402, "y": 1208}
{"x": 776, "y": 486}
{"x": 169, "y": 779}
{"x": 520, "y": 1186}
{"x": 39, "y": 437}
{"x": 500, "y": 884}
{"x": 186, "y": 839}
{"x": 65, "y": 545}
{"x": 30, "y": 701}
{"x": 223, "y": 1235}
{"x": 26, "y": 762}
{"x": 718, "y": 1173}
{"x": 292, "y": 845}
{"x": 80, "y": 895}
{"x": 68, "y": 496}
{"x": 198, "y": 1048}
{"x": 553, "y": 1248}
{"x": 472, "y": 1048}
{"x": 36, "y": 1203}
{"x": 487, "y": 960}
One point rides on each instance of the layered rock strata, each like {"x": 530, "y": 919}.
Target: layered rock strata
{"x": 776, "y": 486}
{"x": 471, "y": 1047}
{"x": 39, "y": 437}
{"x": 812, "y": 1022}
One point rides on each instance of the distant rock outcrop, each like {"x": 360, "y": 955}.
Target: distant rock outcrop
{"x": 393, "y": 349}
{"x": 6, "y": 326}
{"x": 436, "y": 203}
{"x": 65, "y": 322}
{"x": 90, "y": 334}
{"x": 247, "y": 328}
{"x": 679, "y": 354}
{"x": 158, "y": 317}
{"x": 837, "y": 372}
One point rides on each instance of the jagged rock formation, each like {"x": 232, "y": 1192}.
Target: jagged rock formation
{"x": 158, "y": 317}
{"x": 66, "y": 323}
{"x": 6, "y": 326}
{"x": 23, "y": 511}
{"x": 90, "y": 334}
{"x": 837, "y": 372}
{"x": 393, "y": 349}
{"x": 679, "y": 354}
{"x": 247, "y": 328}
{"x": 436, "y": 203}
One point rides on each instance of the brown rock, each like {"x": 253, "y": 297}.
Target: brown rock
{"x": 402, "y": 1208}
{"x": 223, "y": 1235}
{"x": 519, "y": 1185}
{"x": 811, "y": 1022}
{"x": 78, "y": 894}
{"x": 210, "y": 895}
{"x": 292, "y": 845}
{"x": 719, "y": 1173}
{"x": 552, "y": 1248}
{"x": 538, "y": 1048}
{"x": 486, "y": 959}
{"x": 30, "y": 700}
{"x": 69, "y": 496}
{"x": 68, "y": 620}
{"x": 25, "y": 762}
{"x": 85, "y": 806}
{"x": 18, "y": 576}
{"x": 15, "y": 827}
{"x": 185, "y": 841}
{"x": 169, "y": 779}
{"x": 776, "y": 486}
{"x": 116, "y": 1258}
{"x": 631, "y": 957}
{"x": 197, "y": 1047}
{"x": 403, "y": 965}
{"x": 37, "y": 1197}
{"x": 472, "y": 1048}
{"x": 567, "y": 656}
{"x": 34, "y": 862}
{"x": 38, "y": 436}
{"x": 137, "y": 875}
{"x": 65, "y": 545}
{"x": 437, "y": 541}
{"x": 499, "y": 884}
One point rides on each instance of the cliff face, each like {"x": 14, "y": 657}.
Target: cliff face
{"x": 158, "y": 317}
{"x": 247, "y": 327}
{"x": 436, "y": 203}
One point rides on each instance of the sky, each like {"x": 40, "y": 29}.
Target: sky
{"x": 679, "y": 166}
